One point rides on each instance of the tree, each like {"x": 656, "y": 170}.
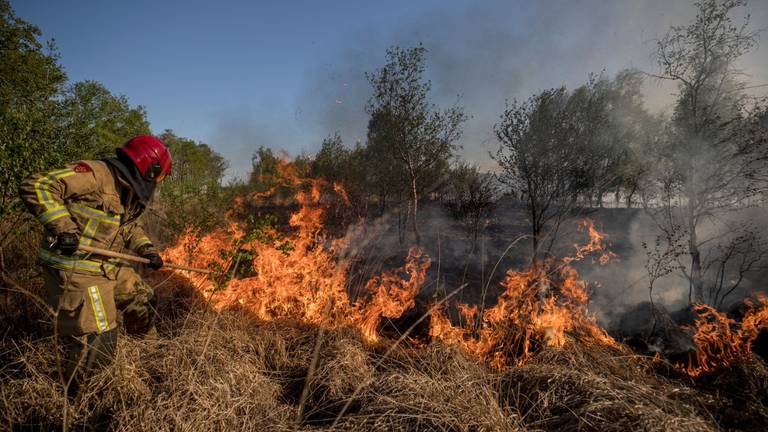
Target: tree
{"x": 543, "y": 155}
{"x": 30, "y": 80}
{"x": 96, "y": 121}
{"x": 621, "y": 131}
{"x": 331, "y": 161}
{"x": 44, "y": 123}
{"x": 417, "y": 137}
{"x": 353, "y": 169}
{"x": 707, "y": 163}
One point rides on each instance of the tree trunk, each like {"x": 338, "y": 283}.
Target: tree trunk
{"x": 533, "y": 213}
{"x": 382, "y": 203}
{"x": 630, "y": 195}
{"x": 697, "y": 281}
{"x": 414, "y": 210}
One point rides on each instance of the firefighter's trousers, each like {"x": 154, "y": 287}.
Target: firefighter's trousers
{"x": 87, "y": 317}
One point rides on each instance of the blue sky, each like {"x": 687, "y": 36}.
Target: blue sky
{"x": 238, "y": 74}
{"x": 188, "y": 60}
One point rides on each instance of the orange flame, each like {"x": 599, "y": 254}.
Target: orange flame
{"x": 307, "y": 282}
{"x": 596, "y": 244}
{"x": 720, "y": 341}
{"x": 545, "y": 305}
{"x": 542, "y": 306}
{"x": 392, "y": 294}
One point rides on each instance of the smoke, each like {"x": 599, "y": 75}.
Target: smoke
{"x": 482, "y": 55}
{"x": 624, "y": 282}
{"x": 239, "y": 133}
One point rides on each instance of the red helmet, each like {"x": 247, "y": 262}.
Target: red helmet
{"x": 150, "y": 155}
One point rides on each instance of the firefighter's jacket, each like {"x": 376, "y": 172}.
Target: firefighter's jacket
{"x": 84, "y": 198}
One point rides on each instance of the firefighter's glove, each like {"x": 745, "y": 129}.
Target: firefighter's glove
{"x": 67, "y": 243}
{"x": 155, "y": 261}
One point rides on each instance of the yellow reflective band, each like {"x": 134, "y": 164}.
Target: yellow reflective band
{"x": 41, "y": 186}
{"x": 98, "y": 309}
{"x": 74, "y": 264}
{"x": 143, "y": 240}
{"x": 93, "y": 213}
{"x": 53, "y": 214}
{"x": 89, "y": 232}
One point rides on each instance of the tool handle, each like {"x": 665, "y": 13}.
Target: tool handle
{"x": 134, "y": 258}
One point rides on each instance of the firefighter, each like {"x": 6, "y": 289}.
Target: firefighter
{"x": 97, "y": 203}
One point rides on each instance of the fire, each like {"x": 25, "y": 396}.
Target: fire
{"x": 303, "y": 276}
{"x": 720, "y": 341}
{"x": 306, "y": 282}
{"x": 392, "y": 295}
{"x": 545, "y": 305}
{"x": 596, "y": 245}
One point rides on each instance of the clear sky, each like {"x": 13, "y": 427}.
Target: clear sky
{"x": 237, "y": 74}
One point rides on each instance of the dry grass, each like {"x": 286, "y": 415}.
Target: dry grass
{"x": 226, "y": 371}
{"x": 596, "y": 388}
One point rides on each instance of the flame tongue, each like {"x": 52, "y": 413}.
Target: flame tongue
{"x": 392, "y": 294}
{"x": 539, "y": 307}
{"x": 720, "y": 342}
{"x": 535, "y": 310}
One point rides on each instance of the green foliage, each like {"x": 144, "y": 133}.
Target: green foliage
{"x": 357, "y": 169}
{"x": 44, "y": 123}
{"x": 471, "y": 195}
{"x": 277, "y": 176}
{"x": 30, "y": 80}
{"x": 331, "y": 161}
{"x": 410, "y": 133}
{"x": 193, "y": 196}
{"x": 265, "y": 169}
{"x": 97, "y": 122}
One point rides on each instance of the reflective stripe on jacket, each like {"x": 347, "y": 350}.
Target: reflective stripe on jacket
{"x": 83, "y": 198}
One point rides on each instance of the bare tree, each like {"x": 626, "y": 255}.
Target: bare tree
{"x": 419, "y": 137}
{"x": 728, "y": 264}
{"x": 707, "y": 166}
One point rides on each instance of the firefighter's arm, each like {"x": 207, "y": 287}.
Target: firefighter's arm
{"x": 139, "y": 242}
{"x": 44, "y": 195}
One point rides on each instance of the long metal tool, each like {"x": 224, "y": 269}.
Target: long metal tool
{"x": 137, "y": 259}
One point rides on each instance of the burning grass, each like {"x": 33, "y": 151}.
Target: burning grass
{"x": 231, "y": 371}
{"x": 307, "y": 282}
{"x": 281, "y": 345}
